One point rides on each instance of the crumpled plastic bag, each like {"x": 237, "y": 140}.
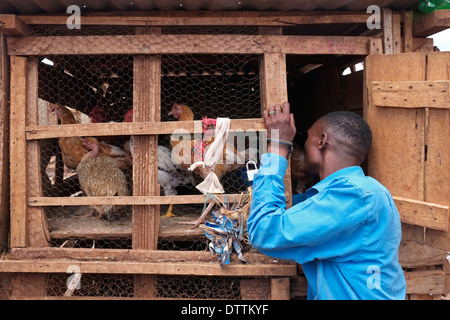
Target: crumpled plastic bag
{"x": 428, "y": 6}
{"x": 225, "y": 237}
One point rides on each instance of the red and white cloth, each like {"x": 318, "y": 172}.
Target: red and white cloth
{"x": 211, "y": 184}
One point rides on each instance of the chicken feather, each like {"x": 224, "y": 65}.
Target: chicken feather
{"x": 73, "y": 148}
{"x": 99, "y": 176}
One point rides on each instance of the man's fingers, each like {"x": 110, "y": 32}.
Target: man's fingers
{"x": 292, "y": 121}
{"x": 286, "y": 108}
{"x": 266, "y": 116}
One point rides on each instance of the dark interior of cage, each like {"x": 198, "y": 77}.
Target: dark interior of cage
{"x": 100, "y": 89}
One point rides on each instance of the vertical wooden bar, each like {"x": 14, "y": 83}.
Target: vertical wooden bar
{"x": 4, "y": 143}
{"x": 26, "y": 180}
{"x": 146, "y": 108}
{"x": 388, "y": 43}
{"x": 274, "y": 91}
{"x": 38, "y": 233}
{"x": 280, "y": 288}
{"x": 397, "y": 33}
{"x": 408, "y": 31}
{"x": 18, "y": 167}
{"x": 437, "y": 164}
{"x": 376, "y": 47}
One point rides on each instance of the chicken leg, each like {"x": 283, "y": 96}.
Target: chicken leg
{"x": 169, "y": 213}
{"x": 202, "y": 218}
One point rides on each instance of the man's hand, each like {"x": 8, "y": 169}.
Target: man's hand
{"x": 280, "y": 125}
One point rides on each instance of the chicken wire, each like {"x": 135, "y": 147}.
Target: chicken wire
{"x": 99, "y": 88}
{"x": 168, "y": 287}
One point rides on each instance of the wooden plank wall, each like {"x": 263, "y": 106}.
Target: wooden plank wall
{"x": 421, "y": 174}
{"x": 437, "y": 166}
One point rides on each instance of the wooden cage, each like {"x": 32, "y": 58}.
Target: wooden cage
{"x": 409, "y": 156}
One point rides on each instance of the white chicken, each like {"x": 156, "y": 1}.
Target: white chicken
{"x": 170, "y": 175}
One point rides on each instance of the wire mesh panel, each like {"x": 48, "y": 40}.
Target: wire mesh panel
{"x": 212, "y": 86}
{"x": 171, "y": 287}
{"x": 81, "y": 89}
{"x": 75, "y": 89}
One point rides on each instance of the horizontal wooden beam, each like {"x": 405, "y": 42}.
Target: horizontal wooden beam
{"x": 424, "y": 214}
{"x": 431, "y": 23}
{"x": 136, "y": 128}
{"x": 189, "y": 44}
{"x": 191, "y": 268}
{"x": 131, "y": 200}
{"x": 12, "y": 25}
{"x": 425, "y": 282}
{"x": 137, "y": 255}
{"x": 411, "y": 254}
{"x": 204, "y": 18}
{"x": 411, "y": 94}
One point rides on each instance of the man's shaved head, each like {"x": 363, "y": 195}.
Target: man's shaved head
{"x": 350, "y": 131}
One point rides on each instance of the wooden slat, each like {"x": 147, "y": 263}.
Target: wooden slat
{"x": 38, "y": 234}
{"x": 4, "y": 142}
{"x": 137, "y": 255}
{"x": 431, "y": 23}
{"x": 396, "y": 33}
{"x": 204, "y": 18}
{"x": 146, "y": 106}
{"x": 148, "y": 268}
{"x": 424, "y": 214}
{"x": 279, "y": 288}
{"x": 437, "y": 166}
{"x": 134, "y": 200}
{"x": 408, "y": 31}
{"x": 188, "y": 44}
{"x": 425, "y": 282}
{"x": 18, "y": 167}
{"x": 411, "y": 94}
{"x": 12, "y": 25}
{"x": 136, "y": 128}
{"x": 274, "y": 91}
{"x": 388, "y": 37}
{"x": 414, "y": 255}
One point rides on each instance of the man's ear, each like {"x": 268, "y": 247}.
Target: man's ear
{"x": 323, "y": 141}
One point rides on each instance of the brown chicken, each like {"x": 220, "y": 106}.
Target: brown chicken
{"x": 99, "y": 176}
{"x": 73, "y": 148}
{"x": 184, "y": 113}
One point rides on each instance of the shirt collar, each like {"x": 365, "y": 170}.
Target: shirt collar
{"x": 345, "y": 172}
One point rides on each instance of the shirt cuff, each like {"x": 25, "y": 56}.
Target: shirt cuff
{"x": 273, "y": 164}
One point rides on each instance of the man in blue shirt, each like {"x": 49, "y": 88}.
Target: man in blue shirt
{"x": 345, "y": 231}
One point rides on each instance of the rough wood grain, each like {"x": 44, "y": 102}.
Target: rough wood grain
{"x": 18, "y": 167}
{"x": 188, "y": 44}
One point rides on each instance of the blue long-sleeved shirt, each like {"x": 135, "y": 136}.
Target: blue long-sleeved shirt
{"x": 345, "y": 231}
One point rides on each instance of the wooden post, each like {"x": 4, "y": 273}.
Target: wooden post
{"x": 388, "y": 43}
{"x": 274, "y": 91}
{"x": 408, "y": 31}
{"x": 18, "y": 166}
{"x": 4, "y": 143}
{"x": 279, "y": 288}
{"x": 396, "y": 33}
{"x": 37, "y": 229}
{"x": 146, "y": 108}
